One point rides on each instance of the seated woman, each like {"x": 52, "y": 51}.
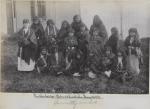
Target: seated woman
{"x": 41, "y": 63}
{"x": 95, "y": 51}
{"x": 119, "y": 70}
{"x": 108, "y": 62}
{"x": 27, "y": 47}
{"x": 132, "y": 44}
{"x": 62, "y": 34}
{"x": 103, "y": 65}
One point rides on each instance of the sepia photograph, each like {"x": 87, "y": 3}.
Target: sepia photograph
{"x": 75, "y": 46}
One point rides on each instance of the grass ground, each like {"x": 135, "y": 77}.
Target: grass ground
{"x": 13, "y": 81}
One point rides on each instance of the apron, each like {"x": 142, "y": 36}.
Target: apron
{"x": 133, "y": 64}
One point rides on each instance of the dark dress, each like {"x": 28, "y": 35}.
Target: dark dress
{"x": 83, "y": 41}
{"x": 108, "y": 62}
{"x": 27, "y": 43}
{"x": 100, "y": 27}
{"x": 40, "y": 35}
{"x": 96, "y": 45}
{"x": 113, "y": 43}
{"x": 71, "y": 54}
{"x": 51, "y": 33}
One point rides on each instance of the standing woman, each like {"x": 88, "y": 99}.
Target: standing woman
{"x": 113, "y": 40}
{"x": 38, "y": 29}
{"x": 27, "y": 43}
{"x": 98, "y": 25}
{"x": 51, "y": 33}
{"x": 77, "y": 23}
{"x": 62, "y": 34}
{"x": 132, "y": 45}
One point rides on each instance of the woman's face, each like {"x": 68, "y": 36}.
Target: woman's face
{"x": 113, "y": 32}
{"x": 108, "y": 52}
{"x": 50, "y": 24}
{"x": 36, "y": 21}
{"x": 26, "y": 25}
{"x": 95, "y": 33}
{"x": 43, "y": 52}
{"x": 71, "y": 33}
{"x": 132, "y": 34}
{"x": 119, "y": 54}
{"x": 131, "y": 39}
{"x": 64, "y": 25}
{"x": 77, "y": 19}
{"x": 82, "y": 29}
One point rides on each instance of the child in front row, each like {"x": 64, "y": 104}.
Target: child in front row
{"x": 103, "y": 65}
{"x": 41, "y": 64}
{"x": 71, "y": 54}
{"x": 108, "y": 62}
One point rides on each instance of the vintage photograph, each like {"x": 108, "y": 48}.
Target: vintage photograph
{"x": 74, "y": 46}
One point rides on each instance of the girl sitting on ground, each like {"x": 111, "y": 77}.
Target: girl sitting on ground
{"x": 41, "y": 64}
{"x": 108, "y": 62}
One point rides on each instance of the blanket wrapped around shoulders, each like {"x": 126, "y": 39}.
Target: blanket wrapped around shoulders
{"x": 27, "y": 43}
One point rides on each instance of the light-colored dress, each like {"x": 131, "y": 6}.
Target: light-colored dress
{"x": 23, "y": 66}
{"x": 133, "y": 64}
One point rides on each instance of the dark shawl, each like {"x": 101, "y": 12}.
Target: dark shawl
{"x": 83, "y": 38}
{"x": 50, "y": 33}
{"x": 28, "y": 43}
{"x": 39, "y": 32}
{"x": 108, "y": 62}
{"x": 77, "y": 25}
{"x": 135, "y": 43}
{"x": 62, "y": 34}
{"x": 63, "y": 31}
{"x": 98, "y": 25}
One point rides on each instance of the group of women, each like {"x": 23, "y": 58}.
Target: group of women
{"x": 75, "y": 50}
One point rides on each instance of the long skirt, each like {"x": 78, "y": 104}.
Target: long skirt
{"x": 133, "y": 64}
{"x": 23, "y": 66}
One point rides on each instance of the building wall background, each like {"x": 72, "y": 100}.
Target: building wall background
{"x": 3, "y": 17}
{"x": 135, "y": 14}
{"x": 108, "y": 12}
{"x": 23, "y": 10}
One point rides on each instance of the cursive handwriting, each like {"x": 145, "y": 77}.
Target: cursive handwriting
{"x": 74, "y": 102}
